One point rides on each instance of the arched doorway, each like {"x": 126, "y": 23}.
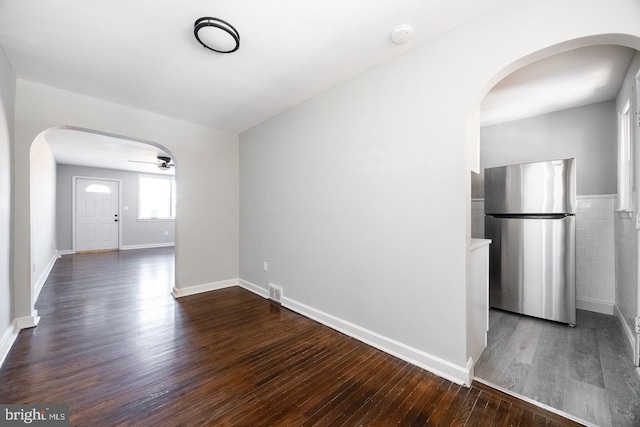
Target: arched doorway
{"x": 62, "y": 157}
{"x": 532, "y": 372}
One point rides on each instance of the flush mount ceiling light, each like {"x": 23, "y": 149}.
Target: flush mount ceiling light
{"x": 401, "y": 34}
{"x": 216, "y": 35}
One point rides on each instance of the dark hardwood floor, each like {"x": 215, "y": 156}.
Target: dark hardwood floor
{"x": 117, "y": 348}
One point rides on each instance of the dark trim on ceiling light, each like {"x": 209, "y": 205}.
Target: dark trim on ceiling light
{"x": 222, "y": 25}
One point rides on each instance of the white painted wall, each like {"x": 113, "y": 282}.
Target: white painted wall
{"x": 207, "y": 179}
{"x": 7, "y": 106}
{"x": 134, "y": 232}
{"x": 43, "y": 218}
{"x": 587, "y": 133}
{"x": 360, "y": 198}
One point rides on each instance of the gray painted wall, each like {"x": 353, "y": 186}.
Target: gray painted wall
{"x": 360, "y": 197}
{"x": 134, "y": 232}
{"x": 7, "y": 108}
{"x": 587, "y": 133}
{"x": 626, "y": 242}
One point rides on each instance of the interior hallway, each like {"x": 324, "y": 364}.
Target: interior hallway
{"x": 585, "y": 371}
{"x": 120, "y": 350}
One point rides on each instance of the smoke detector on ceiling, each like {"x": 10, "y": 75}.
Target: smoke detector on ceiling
{"x": 401, "y": 34}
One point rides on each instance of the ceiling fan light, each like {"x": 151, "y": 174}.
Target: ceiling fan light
{"x": 164, "y": 163}
{"x": 216, "y": 35}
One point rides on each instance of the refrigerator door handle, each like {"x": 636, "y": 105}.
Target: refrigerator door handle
{"x": 532, "y": 216}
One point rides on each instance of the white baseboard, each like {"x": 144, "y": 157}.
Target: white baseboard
{"x": 37, "y": 286}
{"x": 436, "y": 365}
{"x": 193, "y": 290}
{"x": 148, "y": 246}
{"x": 127, "y": 247}
{"x": 264, "y": 293}
{"x": 198, "y": 289}
{"x": 8, "y": 338}
{"x": 596, "y": 196}
{"x": 595, "y": 306}
{"x": 26, "y": 322}
{"x": 626, "y": 330}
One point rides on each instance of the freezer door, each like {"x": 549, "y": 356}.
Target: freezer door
{"x": 531, "y": 188}
{"x": 532, "y": 266}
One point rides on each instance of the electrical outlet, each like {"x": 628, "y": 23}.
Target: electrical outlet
{"x": 166, "y": 233}
{"x": 275, "y": 292}
{"x": 265, "y": 266}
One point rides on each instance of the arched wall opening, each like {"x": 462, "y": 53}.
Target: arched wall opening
{"x": 473, "y": 125}
{"x": 207, "y": 223}
{"x": 89, "y": 154}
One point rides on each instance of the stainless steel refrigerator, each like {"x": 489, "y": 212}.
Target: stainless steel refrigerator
{"x": 530, "y": 219}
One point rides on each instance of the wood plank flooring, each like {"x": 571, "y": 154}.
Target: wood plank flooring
{"x": 584, "y": 371}
{"x": 117, "y": 348}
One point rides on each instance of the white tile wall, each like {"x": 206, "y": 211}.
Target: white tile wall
{"x": 477, "y": 218}
{"x": 595, "y": 251}
{"x": 595, "y": 259}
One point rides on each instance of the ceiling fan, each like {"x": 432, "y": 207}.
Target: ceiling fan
{"x": 163, "y": 162}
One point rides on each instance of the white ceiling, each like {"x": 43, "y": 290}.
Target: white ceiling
{"x": 143, "y": 53}
{"x": 572, "y": 79}
{"x": 74, "y": 147}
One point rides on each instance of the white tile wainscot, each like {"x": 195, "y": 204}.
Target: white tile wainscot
{"x": 477, "y": 218}
{"x": 595, "y": 254}
{"x": 595, "y": 259}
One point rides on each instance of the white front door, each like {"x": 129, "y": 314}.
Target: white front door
{"x": 96, "y": 214}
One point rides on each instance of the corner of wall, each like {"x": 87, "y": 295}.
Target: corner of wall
{"x": 431, "y": 363}
{"x": 417, "y": 357}
{"x": 179, "y": 292}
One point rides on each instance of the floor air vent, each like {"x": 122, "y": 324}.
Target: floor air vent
{"x": 275, "y": 293}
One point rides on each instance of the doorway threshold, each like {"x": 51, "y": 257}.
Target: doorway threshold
{"x": 509, "y": 395}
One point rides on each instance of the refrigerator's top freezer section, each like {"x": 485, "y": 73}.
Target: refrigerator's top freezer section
{"x": 531, "y": 188}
